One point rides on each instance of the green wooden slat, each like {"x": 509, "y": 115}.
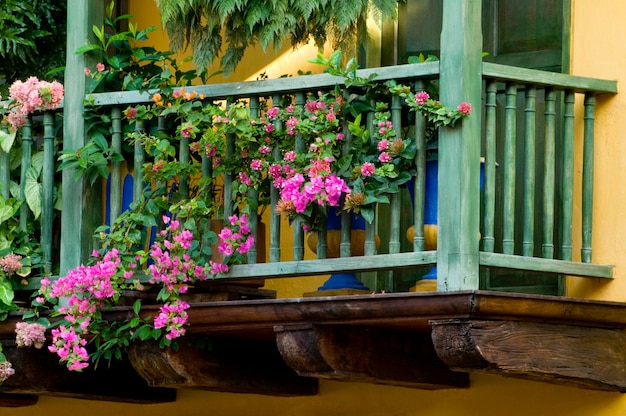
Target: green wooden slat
{"x": 253, "y": 196}
{"x": 115, "y": 183}
{"x": 420, "y": 177}
{"x": 510, "y": 127}
{"x": 380, "y": 262}
{"x": 587, "y": 198}
{"x": 275, "y": 86}
{"x": 394, "y": 200}
{"x": 537, "y": 264}
{"x": 47, "y": 202}
{"x": 27, "y": 146}
{"x": 274, "y": 217}
{"x": 298, "y": 232}
{"x": 459, "y": 148}
{"x": 545, "y": 78}
{"x": 529, "y": 171}
{"x": 489, "y": 193}
{"x": 547, "y": 247}
{"x": 139, "y": 159}
{"x": 567, "y": 175}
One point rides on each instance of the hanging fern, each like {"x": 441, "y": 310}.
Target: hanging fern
{"x": 244, "y": 23}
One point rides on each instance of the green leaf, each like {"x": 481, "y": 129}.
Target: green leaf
{"x": 6, "y": 292}
{"x": 137, "y": 306}
{"x": 6, "y": 140}
{"x": 32, "y": 191}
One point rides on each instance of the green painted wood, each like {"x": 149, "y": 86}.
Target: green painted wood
{"x": 510, "y": 127}
{"x": 529, "y": 171}
{"x": 420, "y": 176}
{"x": 567, "y": 176}
{"x": 459, "y": 147}
{"x": 489, "y": 188}
{"x": 345, "y": 249}
{"x": 47, "y": 199}
{"x": 380, "y": 262}
{"x": 81, "y": 210}
{"x": 544, "y": 78}
{"x": 536, "y": 264}
{"x": 27, "y": 146}
{"x": 274, "y": 217}
{"x": 139, "y": 158}
{"x": 394, "y": 200}
{"x": 298, "y": 232}
{"x": 587, "y": 191}
{"x": 228, "y": 177}
{"x": 547, "y": 246}
{"x": 253, "y": 196}
{"x": 115, "y": 183}
{"x": 286, "y": 85}
{"x": 5, "y": 171}
{"x": 183, "y": 154}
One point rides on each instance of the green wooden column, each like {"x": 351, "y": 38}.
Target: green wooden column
{"x": 81, "y": 209}
{"x": 459, "y": 147}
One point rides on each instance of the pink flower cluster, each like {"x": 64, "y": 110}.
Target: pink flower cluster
{"x": 173, "y": 317}
{"x": 172, "y": 264}
{"x": 6, "y": 370}
{"x": 298, "y": 192}
{"x": 28, "y": 335}
{"x": 10, "y": 263}
{"x": 32, "y": 95}
{"x": 237, "y": 237}
{"x": 85, "y": 289}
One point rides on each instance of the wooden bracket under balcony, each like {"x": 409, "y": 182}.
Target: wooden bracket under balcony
{"x": 362, "y": 354}
{"x": 575, "y": 355}
{"x": 38, "y": 372}
{"x": 227, "y": 365}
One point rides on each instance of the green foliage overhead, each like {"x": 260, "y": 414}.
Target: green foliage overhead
{"x": 206, "y": 24}
{"x": 32, "y": 38}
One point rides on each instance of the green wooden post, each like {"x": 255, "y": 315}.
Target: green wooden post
{"x": 587, "y": 209}
{"x": 139, "y": 158}
{"x": 115, "y": 186}
{"x": 253, "y": 195}
{"x": 459, "y": 147}
{"x": 490, "y": 168}
{"x": 420, "y": 176}
{"x": 298, "y": 232}
{"x": 567, "y": 181}
{"x": 529, "y": 172}
{"x": 183, "y": 151}
{"x": 81, "y": 209}
{"x": 510, "y": 126}
{"x": 47, "y": 200}
{"x": 27, "y": 146}
{"x": 547, "y": 247}
{"x": 394, "y": 199}
{"x": 274, "y": 217}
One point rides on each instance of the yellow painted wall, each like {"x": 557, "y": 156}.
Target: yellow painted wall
{"x": 598, "y": 51}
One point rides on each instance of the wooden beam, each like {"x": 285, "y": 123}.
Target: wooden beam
{"x": 592, "y": 358}
{"x": 17, "y": 400}
{"x": 38, "y": 372}
{"x": 362, "y": 354}
{"x": 227, "y": 365}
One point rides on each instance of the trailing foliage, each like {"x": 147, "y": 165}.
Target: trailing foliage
{"x": 206, "y": 24}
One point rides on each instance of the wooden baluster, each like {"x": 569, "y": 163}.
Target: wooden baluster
{"x": 489, "y": 194}
{"x": 298, "y": 232}
{"x": 547, "y": 247}
{"x": 529, "y": 171}
{"x": 345, "y": 247}
{"x": 27, "y": 146}
{"x": 419, "y": 186}
{"x": 587, "y": 208}
{"x": 47, "y": 203}
{"x": 394, "y": 200}
{"x": 228, "y": 179}
{"x": 139, "y": 159}
{"x": 369, "y": 247}
{"x": 115, "y": 182}
{"x": 274, "y": 217}
{"x": 567, "y": 175}
{"x": 508, "y": 226}
{"x": 253, "y": 195}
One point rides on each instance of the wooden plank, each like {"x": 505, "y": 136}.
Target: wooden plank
{"x": 337, "y": 265}
{"x": 275, "y": 86}
{"x": 47, "y": 197}
{"x": 545, "y": 78}
{"x": 361, "y": 354}
{"x": 587, "y": 191}
{"x": 547, "y": 246}
{"x": 489, "y": 210}
{"x": 567, "y": 177}
{"x": 17, "y": 400}
{"x": 529, "y": 171}
{"x": 234, "y": 366}
{"x": 560, "y": 354}
{"x": 510, "y": 138}
{"x": 506, "y": 261}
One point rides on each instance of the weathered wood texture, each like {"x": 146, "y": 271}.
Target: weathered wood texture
{"x": 38, "y": 372}
{"x": 563, "y": 354}
{"x": 17, "y": 400}
{"x": 361, "y": 354}
{"x": 235, "y": 366}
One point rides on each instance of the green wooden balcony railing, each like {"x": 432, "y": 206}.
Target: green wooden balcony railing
{"x": 528, "y": 122}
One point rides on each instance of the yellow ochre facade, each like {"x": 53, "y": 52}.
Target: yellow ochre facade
{"x": 597, "y": 50}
